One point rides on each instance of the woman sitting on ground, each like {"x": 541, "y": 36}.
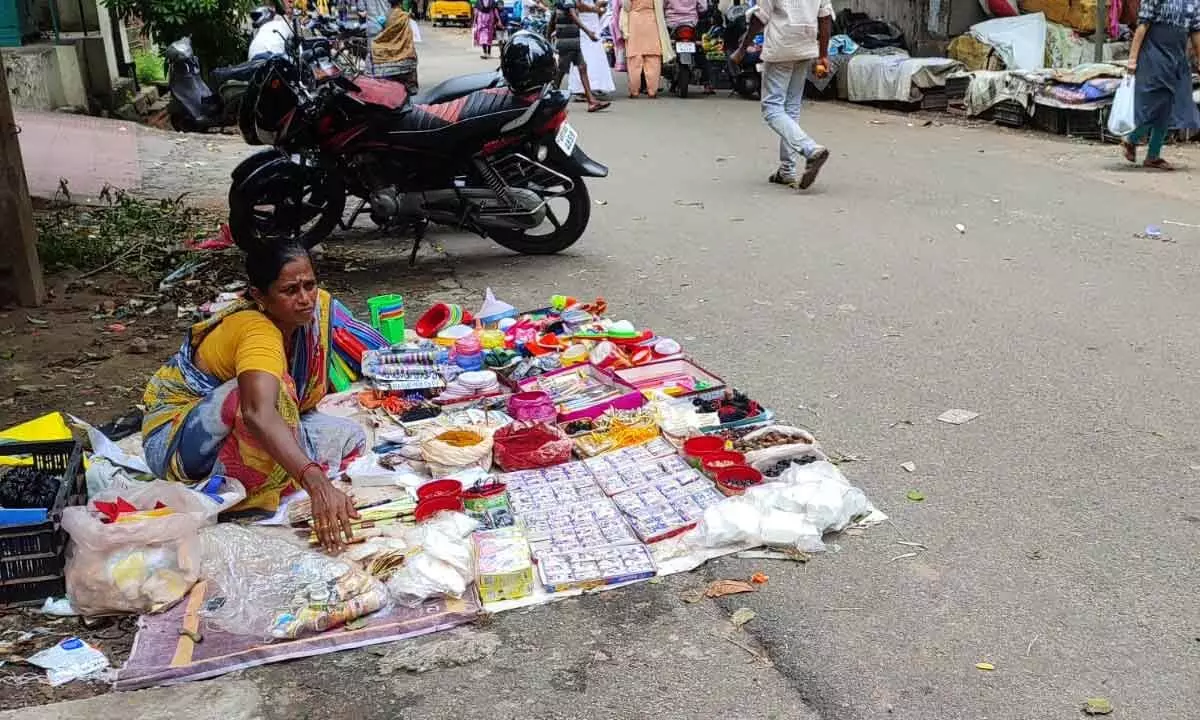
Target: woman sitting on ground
{"x": 238, "y": 399}
{"x": 394, "y": 49}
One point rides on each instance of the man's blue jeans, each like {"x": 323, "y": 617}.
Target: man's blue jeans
{"x": 782, "y": 95}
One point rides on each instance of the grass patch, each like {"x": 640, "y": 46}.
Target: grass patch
{"x": 149, "y": 67}
{"x": 125, "y": 234}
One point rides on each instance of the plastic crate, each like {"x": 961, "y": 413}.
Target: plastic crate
{"x": 1009, "y": 113}
{"x": 31, "y": 556}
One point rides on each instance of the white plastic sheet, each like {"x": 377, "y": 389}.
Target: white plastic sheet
{"x": 1021, "y": 40}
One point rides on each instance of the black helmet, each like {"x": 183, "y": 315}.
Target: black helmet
{"x": 528, "y": 62}
{"x": 261, "y": 15}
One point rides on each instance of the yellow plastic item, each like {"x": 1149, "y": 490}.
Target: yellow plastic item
{"x": 46, "y": 428}
{"x": 143, "y": 515}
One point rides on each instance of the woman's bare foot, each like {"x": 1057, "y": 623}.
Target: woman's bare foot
{"x": 1158, "y": 164}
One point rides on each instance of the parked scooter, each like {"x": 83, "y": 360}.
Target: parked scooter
{"x": 194, "y": 107}
{"x": 746, "y": 77}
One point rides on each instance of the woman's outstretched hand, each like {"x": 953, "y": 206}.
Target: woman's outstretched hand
{"x": 332, "y": 511}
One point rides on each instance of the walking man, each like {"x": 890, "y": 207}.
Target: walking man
{"x": 796, "y": 33}
{"x": 566, "y": 28}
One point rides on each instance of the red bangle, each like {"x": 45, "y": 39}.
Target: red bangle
{"x": 300, "y": 475}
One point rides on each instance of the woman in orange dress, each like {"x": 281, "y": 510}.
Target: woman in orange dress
{"x": 646, "y": 45}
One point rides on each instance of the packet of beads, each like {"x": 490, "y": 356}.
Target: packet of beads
{"x": 503, "y": 565}
{"x": 590, "y": 568}
{"x": 616, "y": 429}
{"x": 405, "y": 368}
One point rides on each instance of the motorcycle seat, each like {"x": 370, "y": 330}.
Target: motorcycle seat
{"x": 244, "y": 71}
{"x": 381, "y": 93}
{"x": 457, "y": 87}
{"x": 484, "y": 108}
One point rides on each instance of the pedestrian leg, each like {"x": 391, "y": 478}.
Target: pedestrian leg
{"x": 635, "y": 66}
{"x": 1158, "y": 137}
{"x": 653, "y": 65}
{"x": 782, "y": 97}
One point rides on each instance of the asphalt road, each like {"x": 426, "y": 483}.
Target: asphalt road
{"x": 1062, "y": 525}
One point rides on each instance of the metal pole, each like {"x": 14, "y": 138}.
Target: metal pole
{"x": 54, "y": 21}
{"x": 1101, "y": 35}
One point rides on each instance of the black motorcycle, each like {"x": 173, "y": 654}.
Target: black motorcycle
{"x": 500, "y": 161}
{"x": 745, "y": 77}
{"x": 684, "y": 70}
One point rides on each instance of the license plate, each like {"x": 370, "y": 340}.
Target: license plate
{"x": 566, "y": 138}
{"x": 685, "y": 47}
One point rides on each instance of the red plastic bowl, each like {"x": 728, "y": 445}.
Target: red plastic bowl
{"x": 735, "y": 480}
{"x": 713, "y": 463}
{"x": 440, "y": 488}
{"x": 428, "y": 508}
{"x": 696, "y": 448}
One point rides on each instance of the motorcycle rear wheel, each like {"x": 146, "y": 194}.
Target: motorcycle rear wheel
{"x": 281, "y": 210}
{"x": 566, "y": 231}
{"x": 682, "y": 78}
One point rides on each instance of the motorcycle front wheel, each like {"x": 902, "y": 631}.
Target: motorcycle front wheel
{"x": 285, "y": 208}
{"x": 567, "y": 216}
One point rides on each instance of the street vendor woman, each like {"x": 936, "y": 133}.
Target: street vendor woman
{"x": 239, "y": 398}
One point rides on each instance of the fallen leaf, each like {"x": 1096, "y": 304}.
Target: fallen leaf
{"x": 692, "y": 596}
{"x": 6, "y": 354}
{"x": 957, "y": 416}
{"x": 1097, "y": 706}
{"x": 909, "y": 466}
{"x": 759, "y": 578}
{"x": 985, "y": 666}
{"x": 741, "y": 616}
{"x": 915, "y": 495}
{"x": 721, "y": 588}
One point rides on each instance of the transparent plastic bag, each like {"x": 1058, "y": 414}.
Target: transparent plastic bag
{"x": 140, "y": 566}
{"x": 267, "y": 587}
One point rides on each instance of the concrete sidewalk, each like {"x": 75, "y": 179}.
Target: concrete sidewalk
{"x": 223, "y": 699}
{"x": 89, "y": 153}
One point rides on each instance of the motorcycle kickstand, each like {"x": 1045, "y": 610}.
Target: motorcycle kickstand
{"x": 347, "y": 224}
{"x": 418, "y": 229}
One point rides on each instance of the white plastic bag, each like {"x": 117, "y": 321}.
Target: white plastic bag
{"x": 820, "y": 492}
{"x": 1121, "y": 115}
{"x": 141, "y": 566}
{"x": 440, "y": 562}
